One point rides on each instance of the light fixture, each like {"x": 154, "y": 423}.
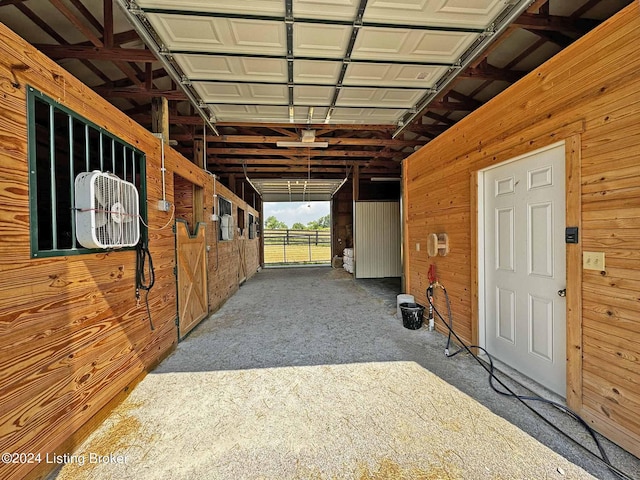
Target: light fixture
{"x": 385, "y": 179}
{"x": 308, "y": 136}
{"x": 307, "y": 139}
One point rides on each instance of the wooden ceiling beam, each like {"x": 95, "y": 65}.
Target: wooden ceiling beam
{"x": 107, "y": 29}
{"x": 118, "y": 39}
{"x": 126, "y": 83}
{"x": 139, "y": 93}
{"x": 440, "y": 118}
{"x": 26, "y": 11}
{"x": 555, "y": 23}
{"x": 282, "y": 131}
{"x": 86, "y": 31}
{"x": 556, "y": 38}
{"x": 484, "y": 71}
{"x": 302, "y": 152}
{"x": 88, "y": 15}
{"x": 377, "y": 142}
{"x": 451, "y": 106}
{"x": 301, "y": 162}
{"x": 76, "y": 22}
{"x": 460, "y": 97}
{"x": 58, "y": 38}
{"x": 282, "y": 170}
{"x": 58, "y": 52}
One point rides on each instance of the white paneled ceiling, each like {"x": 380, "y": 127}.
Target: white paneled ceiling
{"x": 443, "y": 13}
{"x": 356, "y": 61}
{"x": 368, "y": 80}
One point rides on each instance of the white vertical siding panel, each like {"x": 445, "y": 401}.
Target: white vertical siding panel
{"x": 377, "y": 239}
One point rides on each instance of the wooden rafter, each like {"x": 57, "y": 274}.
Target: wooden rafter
{"x": 302, "y": 152}
{"x": 376, "y": 142}
{"x": 554, "y": 23}
{"x": 58, "y": 52}
{"x": 93, "y": 38}
{"x": 57, "y": 37}
{"x": 485, "y": 71}
{"x": 139, "y": 93}
{"x": 302, "y": 161}
{"x": 107, "y": 30}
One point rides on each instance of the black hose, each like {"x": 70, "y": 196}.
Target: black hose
{"x": 449, "y": 326}
{"x": 522, "y": 398}
{"x": 142, "y": 269}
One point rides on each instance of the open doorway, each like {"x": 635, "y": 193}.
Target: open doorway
{"x": 297, "y": 233}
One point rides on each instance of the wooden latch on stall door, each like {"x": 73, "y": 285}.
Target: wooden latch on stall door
{"x": 437, "y": 243}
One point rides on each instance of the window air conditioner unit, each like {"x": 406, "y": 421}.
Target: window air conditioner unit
{"x": 107, "y": 211}
{"x": 226, "y": 227}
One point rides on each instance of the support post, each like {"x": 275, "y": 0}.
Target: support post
{"x": 160, "y": 117}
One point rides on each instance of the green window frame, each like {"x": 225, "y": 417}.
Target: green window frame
{"x": 62, "y": 144}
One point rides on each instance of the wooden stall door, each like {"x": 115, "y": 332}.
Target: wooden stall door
{"x": 191, "y": 261}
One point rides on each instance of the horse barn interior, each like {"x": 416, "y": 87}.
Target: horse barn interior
{"x": 502, "y": 138}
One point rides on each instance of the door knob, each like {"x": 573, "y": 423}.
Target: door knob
{"x": 563, "y": 292}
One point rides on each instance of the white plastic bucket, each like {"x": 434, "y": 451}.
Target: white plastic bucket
{"x": 403, "y": 298}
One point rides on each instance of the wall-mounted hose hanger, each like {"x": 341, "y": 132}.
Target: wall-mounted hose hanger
{"x": 437, "y": 244}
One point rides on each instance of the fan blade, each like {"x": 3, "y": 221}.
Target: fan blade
{"x": 101, "y": 218}
{"x": 114, "y": 231}
{"x": 101, "y": 192}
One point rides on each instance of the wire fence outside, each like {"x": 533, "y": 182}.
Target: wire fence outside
{"x": 297, "y": 246}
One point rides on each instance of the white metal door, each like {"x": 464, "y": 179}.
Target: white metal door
{"x": 524, "y": 251}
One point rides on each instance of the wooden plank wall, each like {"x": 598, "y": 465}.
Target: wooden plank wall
{"x": 72, "y": 339}
{"x": 224, "y": 256}
{"x": 589, "y": 94}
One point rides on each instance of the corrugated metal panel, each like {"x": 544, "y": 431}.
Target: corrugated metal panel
{"x": 377, "y": 239}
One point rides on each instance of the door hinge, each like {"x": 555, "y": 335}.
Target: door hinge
{"x": 175, "y": 271}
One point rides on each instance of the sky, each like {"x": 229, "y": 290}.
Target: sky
{"x": 292, "y": 212}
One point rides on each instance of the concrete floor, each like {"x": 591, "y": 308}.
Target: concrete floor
{"x": 306, "y": 373}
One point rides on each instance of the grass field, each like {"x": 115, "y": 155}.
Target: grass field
{"x": 297, "y": 254}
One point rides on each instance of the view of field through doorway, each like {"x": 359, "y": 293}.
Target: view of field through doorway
{"x": 297, "y": 233}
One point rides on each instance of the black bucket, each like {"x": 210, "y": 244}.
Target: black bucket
{"x": 412, "y": 314}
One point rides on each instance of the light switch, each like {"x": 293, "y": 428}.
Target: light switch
{"x": 593, "y": 260}
{"x": 417, "y": 247}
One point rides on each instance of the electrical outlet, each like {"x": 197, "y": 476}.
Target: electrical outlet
{"x": 163, "y": 205}
{"x": 593, "y": 261}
